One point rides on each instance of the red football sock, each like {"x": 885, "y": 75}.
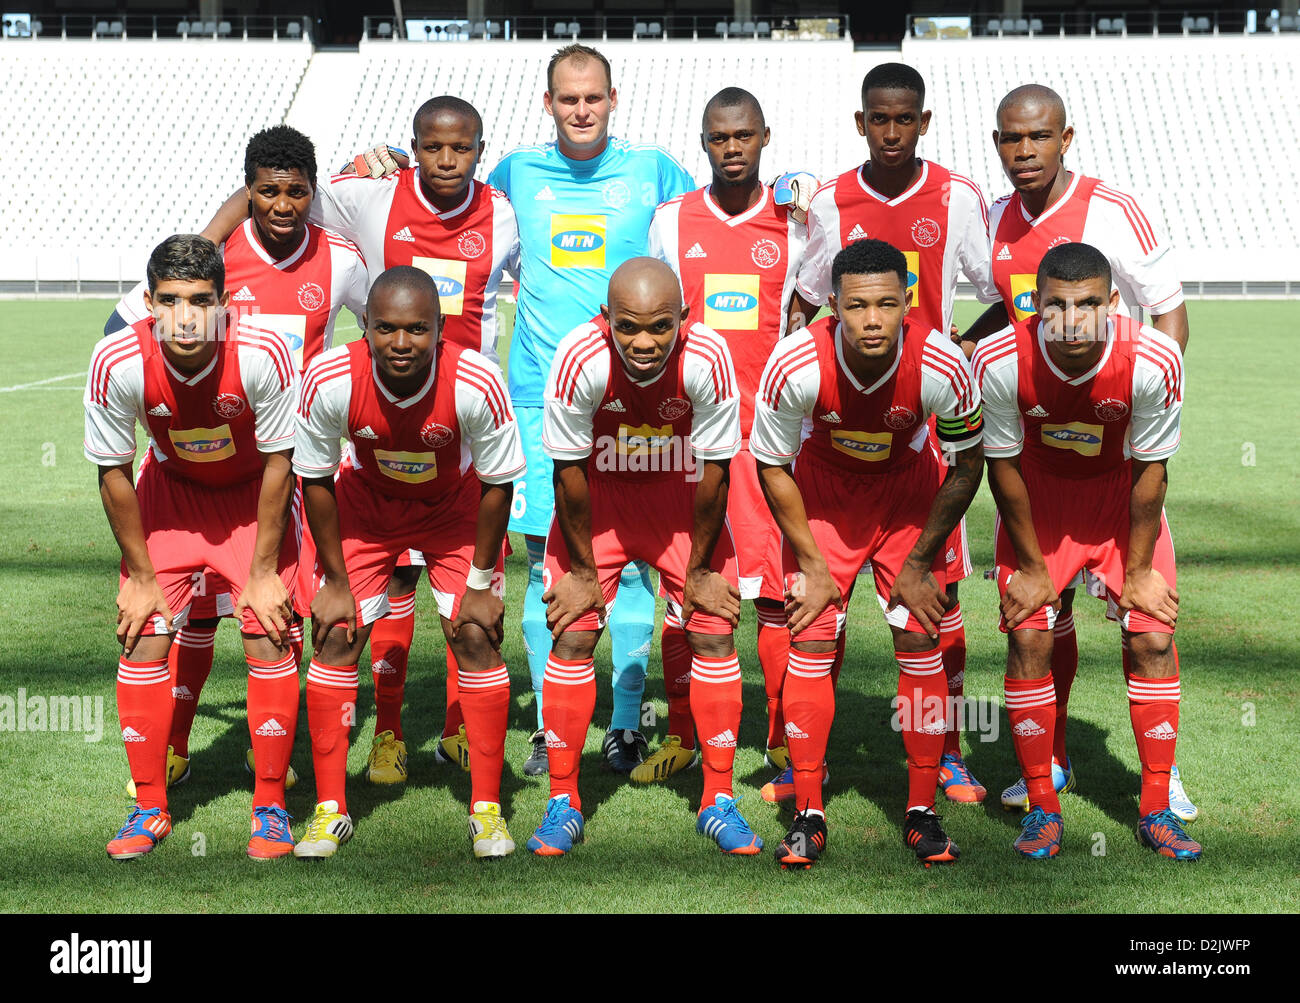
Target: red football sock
{"x": 568, "y": 701}
{"x": 773, "y": 656}
{"x": 952, "y": 648}
{"x": 1153, "y": 708}
{"x": 1065, "y": 663}
{"x": 331, "y": 712}
{"x": 676, "y": 655}
{"x": 455, "y": 713}
{"x": 715, "y": 704}
{"x": 189, "y": 662}
{"x": 144, "y": 709}
{"x": 485, "y": 698}
{"x": 1031, "y": 712}
{"x": 922, "y": 699}
{"x": 272, "y": 722}
{"x": 809, "y": 701}
{"x": 390, "y": 650}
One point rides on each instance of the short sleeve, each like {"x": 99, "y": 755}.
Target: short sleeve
{"x": 1155, "y": 427}
{"x": 272, "y": 389}
{"x": 813, "y": 282}
{"x": 1139, "y": 251}
{"x": 674, "y": 179}
{"x": 322, "y": 420}
{"x": 574, "y": 389}
{"x": 110, "y": 400}
{"x": 1004, "y": 431}
{"x": 715, "y": 399}
{"x": 787, "y": 395}
{"x": 949, "y": 392}
{"x": 487, "y": 421}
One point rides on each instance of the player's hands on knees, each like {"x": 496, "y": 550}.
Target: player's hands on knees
{"x": 707, "y": 591}
{"x": 481, "y": 607}
{"x": 1027, "y": 593}
{"x": 1148, "y": 592}
{"x": 137, "y": 601}
{"x": 267, "y": 597}
{"x": 807, "y": 595}
{"x": 573, "y": 595}
{"x": 917, "y": 589}
{"x": 334, "y": 603}
{"x": 377, "y": 163}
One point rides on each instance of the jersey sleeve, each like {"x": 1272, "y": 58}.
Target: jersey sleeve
{"x": 996, "y": 371}
{"x": 578, "y": 378}
{"x": 974, "y": 255}
{"x": 813, "y": 282}
{"x": 130, "y": 309}
{"x": 787, "y": 395}
{"x": 1138, "y": 248}
{"x": 342, "y": 201}
{"x": 710, "y": 379}
{"x": 949, "y": 392}
{"x": 114, "y": 390}
{"x": 322, "y": 420}
{"x": 661, "y": 242}
{"x": 674, "y": 179}
{"x": 500, "y": 176}
{"x": 270, "y": 383}
{"x": 487, "y": 421}
{"x": 352, "y": 283}
{"x": 1154, "y": 429}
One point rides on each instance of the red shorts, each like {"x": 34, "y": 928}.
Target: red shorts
{"x": 646, "y": 521}
{"x": 201, "y": 541}
{"x": 759, "y": 554}
{"x": 1083, "y": 524}
{"x": 867, "y": 517}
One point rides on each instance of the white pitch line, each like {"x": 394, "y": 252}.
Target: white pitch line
{"x": 39, "y": 383}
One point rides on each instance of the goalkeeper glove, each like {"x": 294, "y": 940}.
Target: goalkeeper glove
{"x": 795, "y": 189}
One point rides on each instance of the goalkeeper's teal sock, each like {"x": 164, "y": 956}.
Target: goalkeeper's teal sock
{"x": 537, "y": 636}
{"x": 631, "y": 631}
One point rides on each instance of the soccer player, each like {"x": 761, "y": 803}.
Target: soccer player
{"x": 938, "y": 219}
{"x": 1083, "y": 409}
{"x": 639, "y": 405}
{"x": 1052, "y": 205}
{"x": 433, "y": 450}
{"x": 219, "y": 414}
{"x": 288, "y": 278}
{"x": 584, "y": 204}
{"x": 866, "y": 485}
{"x": 736, "y": 252}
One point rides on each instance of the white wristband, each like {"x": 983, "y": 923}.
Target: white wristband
{"x": 478, "y": 578}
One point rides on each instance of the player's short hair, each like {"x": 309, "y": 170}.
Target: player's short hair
{"x": 188, "y": 258}
{"x": 1033, "y": 94}
{"x": 1074, "y": 263}
{"x": 448, "y": 103}
{"x": 732, "y": 97}
{"x": 868, "y": 257}
{"x": 894, "y": 77}
{"x": 280, "y": 148}
{"x": 579, "y": 54}
{"x": 403, "y": 277}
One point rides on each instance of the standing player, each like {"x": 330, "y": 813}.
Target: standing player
{"x": 635, "y": 403}
{"x": 1050, "y": 206}
{"x": 1083, "y": 410}
{"x": 735, "y": 251}
{"x": 584, "y": 203}
{"x": 938, "y": 219}
{"x": 866, "y": 485}
{"x": 434, "y": 450}
{"x": 216, "y": 496}
{"x": 288, "y": 278}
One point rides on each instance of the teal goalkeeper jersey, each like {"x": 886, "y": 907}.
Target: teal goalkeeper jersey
{"x": 578, "y": 221}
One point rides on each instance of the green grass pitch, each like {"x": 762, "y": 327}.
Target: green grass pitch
{"x": 1234, "y": 512}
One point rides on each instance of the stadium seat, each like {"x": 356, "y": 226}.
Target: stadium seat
{"x": 101, "y": 27}
{"x": 1118, "y": 25}
{"x": 294, "y": 30}
{"x": 1104, "y": 25}
{"x": 1202, "y": 24}
{"x": 655, "y": 29}
{"x": 1022, "y": 26}
{"x": 1035, "y": 26}
{"x": 1288, "y": 23}
{"x": 733, "y": 28}
{"x": 115, "y": 29}
{"x": 995, "y": 26}
{"x": 493, "y": 29}
{"x": 720, "y": 29}
{"x": 223, "y": 29}
{"x": 640, "y": 29}
{"x": 182, "y": 27}
{"x": 385, "y": 30}
{"x": 748, "y": 28}
{"x": 763, "y": 29}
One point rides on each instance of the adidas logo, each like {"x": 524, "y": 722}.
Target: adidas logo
{"x": 830, "y": 417}
{"x": 366, "y": 433}
{"x": 1037, "y": 411}
{"x": 182, "y": 693}
{"x": 955, "y": 682}
{"x": 271, "y": 728}
{"x": 1163, "y": 731}
{"x": 615, "y": 405}
{"x": 384, "y": 667}
{"x": 857, "y": 233}
{"x": 641, "y": 652}
{"x": 545, "y": 195}
{"x": 792, "y": 730}
{"x": 935, "y": 728}
{"x": 161, "y": 411}
{"x": 129, "y": 734}
{"x": 725, "y": 740}
{"x": 696, "y": 251}
{"x": 683, "y": 680}
{"x": 1004, "y": 254}
{"x": 404, "y": 234}
{"x": 553, "y": 741}
{"x": 244, "y": 295}
{"x": 950, "y": 556}
{"x": 1028, "y": 728}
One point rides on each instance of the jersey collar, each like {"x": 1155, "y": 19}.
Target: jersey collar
{"x": 415, "y": 398}
{"x": 916, "y": 187}
{"x": 844, "y": 366}
{"x": 1077, "y": 381}
{"x": 744, "y": 217}
{"x": 197, "y": 378}
{"x": 1047, "y": 213}
{"x": 255, "y": 242}
{"x": 434, "y": 210}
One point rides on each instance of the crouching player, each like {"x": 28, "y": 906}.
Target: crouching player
{"x": 635, "y": 402}
{"x": 867, "y": 486}
{"x": 417, "y": 413}
{"x": 1083, "y": 410}
{"x": 214, "y": 499}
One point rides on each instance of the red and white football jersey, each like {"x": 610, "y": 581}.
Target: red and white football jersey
{"x": 1141, "y": 260}
{"x": 641, "y": 430}
{"x": 465, "y": 249}
{"x": 940, "y": 224}
{"x": 737, "y": 275}
{"x": 857, "y": 429}
{"x": 212, "y": 427}
{"x": 1127, "y": 406}
{"x": 420, "y": 446}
